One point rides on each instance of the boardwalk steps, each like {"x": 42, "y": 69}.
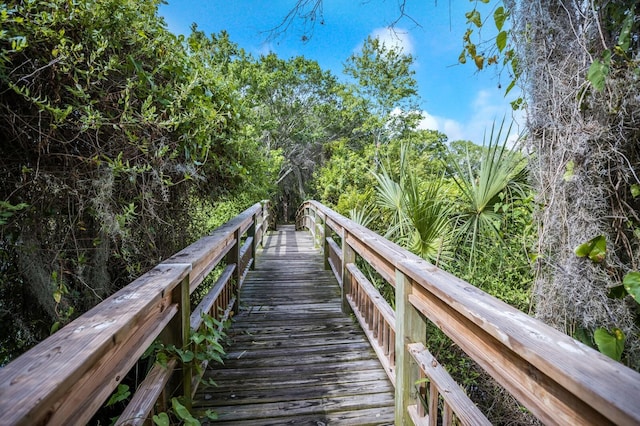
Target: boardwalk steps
{"x": 295, "y": 358}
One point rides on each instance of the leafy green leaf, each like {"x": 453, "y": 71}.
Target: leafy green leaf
{"x": 635, "y": 190}
{"x": 499, "y": 16}
{"x": 197, "y": 338}
{"x": 161, "y": 419}
{"x": 55, "y": 327}
{"x": 599, "y": 70}
{"x": 610, "y": 344}
{"x": 631, "y": 283}
{"x": 501, "y": 40}
{"x": 510, "y": 86}
{"x": 183, "y": 413}
{"x": 624, "y": 39}
{"x": 595, "y": 249}
{"x": 161, "y": 358}
{"x": 185, "y": 356}
{"x": 474, "y": 18}
{"x": 517, "y": 103}
{"x": 584, "y": 336}
{"x": 121, "y": 394}
{"x": 597, "y": 74}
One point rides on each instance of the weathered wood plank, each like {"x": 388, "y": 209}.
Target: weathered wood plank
{"x": 363, "y": 417}
{"x": 295, "y": 357}
{"x": 452, "y": 393}
{"x": 559, "y": 379}
{"x": 53, "y": 379}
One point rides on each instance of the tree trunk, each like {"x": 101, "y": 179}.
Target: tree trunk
{"x": 585, "y": 146}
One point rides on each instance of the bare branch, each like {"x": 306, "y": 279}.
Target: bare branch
{"x": 309, "y": 11}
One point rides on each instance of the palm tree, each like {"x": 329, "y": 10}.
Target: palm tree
{"x": 499, "y": 180}
{"x": 418, "y": 214}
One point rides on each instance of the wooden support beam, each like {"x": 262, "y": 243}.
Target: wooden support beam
{"x": 410, "y": 328}
{"x": 326, "y": 252}
{"x": 348, "y": 256}
{"x": 251, "y": 233}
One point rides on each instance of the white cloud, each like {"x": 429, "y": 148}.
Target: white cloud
{"x": 397, "y": 38}
{"x": 428, "y": 122}
{"x": 487, "y": 108}
{"x": 449, "y": 127}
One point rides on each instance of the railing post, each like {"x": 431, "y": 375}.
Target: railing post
{"x": 233, "y": 257}
{"x": 315, "y": 228}
{"x": 319, "y": 232}
{"x": 251, "y": 232}
{"x": 265, "y": 222}
{"x": 325, "y": 245}
{"x": 410, "y": 328}
{"x": 348, "y": 256}
{"x": 178, "y": 333}
{"x": 185, "y": 322}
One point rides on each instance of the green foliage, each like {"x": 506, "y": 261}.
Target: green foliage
{"x": 183, "y": 413}
{"x": 595, "y": 249}
{"x": 631, "y": 283}
{"x": 204, "y": 344}
{"x": 122, "y": 393}
{"x": 599, "y": 70}
{"x": 7, "y": 210}
{"x": 610, "y": 344}
{"x": 295, "y": 111}
{"x": 115, "y": 130}
{"x": 344, "y": 182}
{"x": 161, "y": 419}
{"x": 417, "y": 216}
{"x": 385, "y": 88}
{"x": 407, "y": 200}
{"x": 487, "y": 193}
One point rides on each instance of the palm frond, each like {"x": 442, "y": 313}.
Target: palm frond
{"x": 501, "y": 174}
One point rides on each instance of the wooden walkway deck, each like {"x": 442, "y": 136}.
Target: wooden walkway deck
{"x": 295, "y": 357}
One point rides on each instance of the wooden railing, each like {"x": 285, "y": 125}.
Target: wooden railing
{"x": 66, "y": 378}
{"x": 560, "y": 380}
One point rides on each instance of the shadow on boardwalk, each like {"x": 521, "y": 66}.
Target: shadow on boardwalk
{"x": 295, "y": 357}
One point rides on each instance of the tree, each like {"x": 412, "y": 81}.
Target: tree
{"x": 578, "y": 63}
{"x": 488, "y": 183}
{"x": 385, "y": 84}
{"x": 294, "y": 104}
{"x": 580, "y": 68}
{"x": 111, "y": 127}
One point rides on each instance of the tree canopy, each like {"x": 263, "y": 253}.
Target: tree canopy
{"x": 122, "y": 142}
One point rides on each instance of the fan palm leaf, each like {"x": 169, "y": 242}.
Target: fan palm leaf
{"x": 419, "y": 219}
{"x": 501, "y": 176}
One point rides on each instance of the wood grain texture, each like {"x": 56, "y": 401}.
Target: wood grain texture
{"x": 295, "y": 358}
{"x": 70, "y": 374}
{"x": 556, "y": 377}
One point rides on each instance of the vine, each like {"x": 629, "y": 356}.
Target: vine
{"x": 205, "y": 345}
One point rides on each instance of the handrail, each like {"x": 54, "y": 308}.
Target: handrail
{"x": 67, "y": 377}
{"x": 560, "y": 380}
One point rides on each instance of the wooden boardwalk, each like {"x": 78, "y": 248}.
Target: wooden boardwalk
{"x": 295, "y": 358}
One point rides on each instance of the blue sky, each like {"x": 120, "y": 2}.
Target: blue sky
{"x": 455, "y": 99}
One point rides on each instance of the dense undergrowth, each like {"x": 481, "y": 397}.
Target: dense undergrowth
{"x": 122, "y": 143}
